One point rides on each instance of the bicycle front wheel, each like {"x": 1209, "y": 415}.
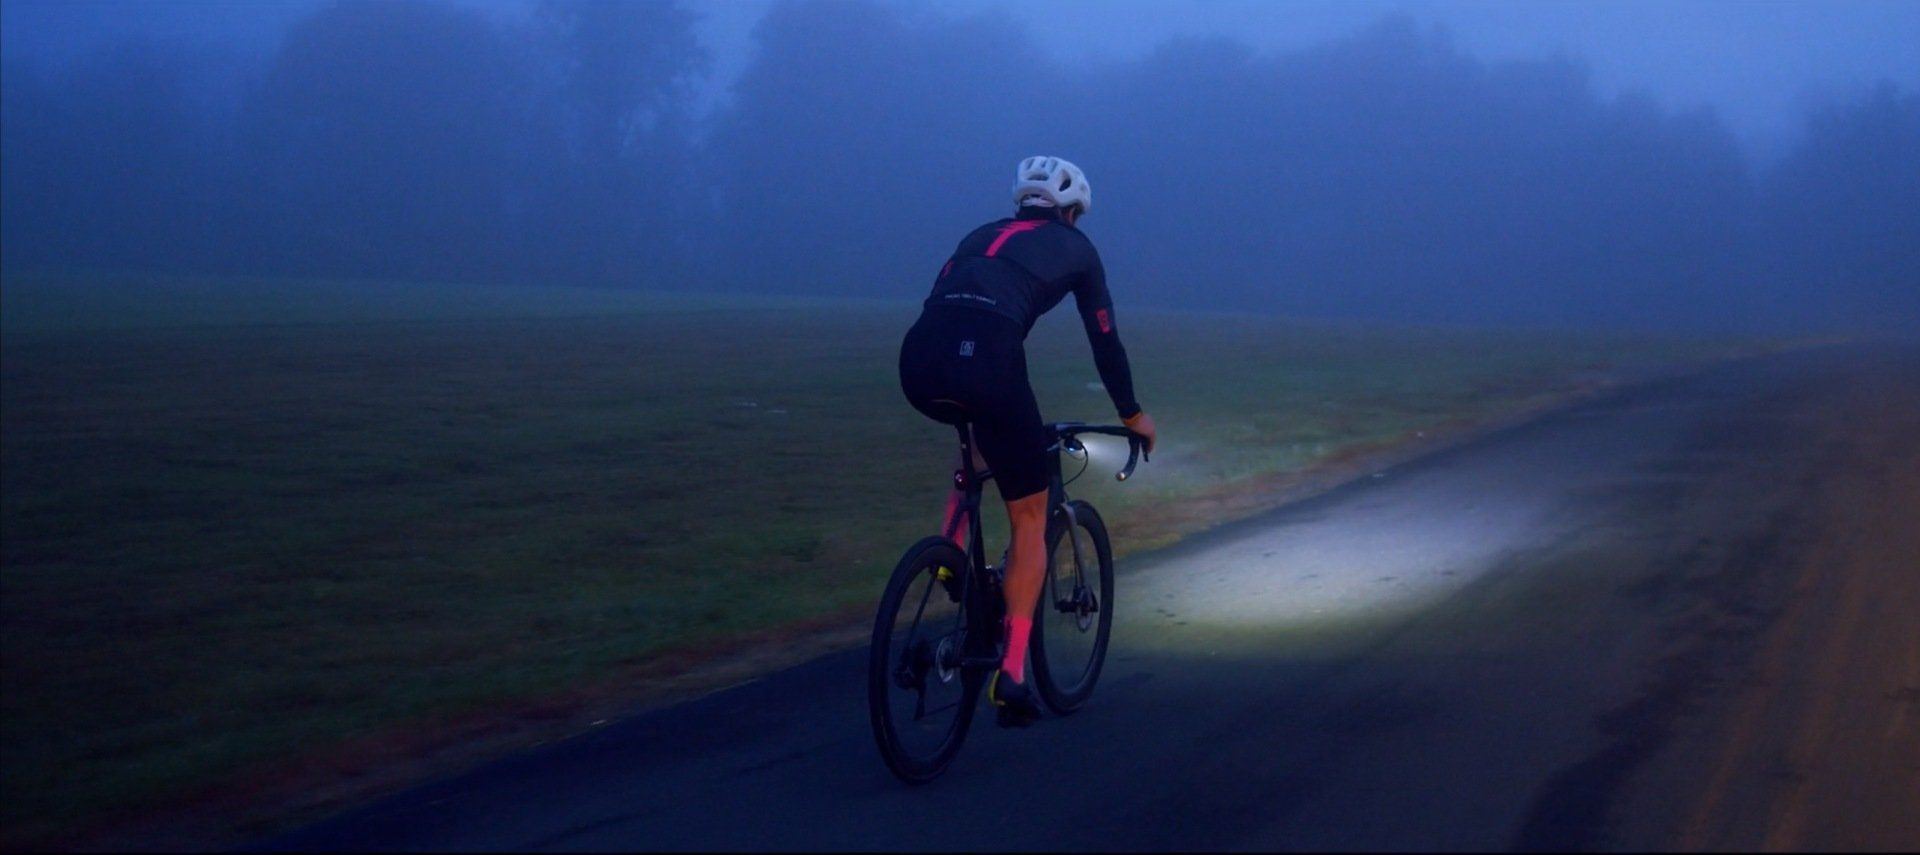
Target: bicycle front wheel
{"x": 1075, "y": 613}
{"x": 921, "y": 701}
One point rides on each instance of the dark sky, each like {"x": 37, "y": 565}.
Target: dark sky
{"x": 1754, "y": 62}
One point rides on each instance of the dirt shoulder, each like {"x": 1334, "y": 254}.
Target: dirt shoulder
{"x": 1813, "y": 741}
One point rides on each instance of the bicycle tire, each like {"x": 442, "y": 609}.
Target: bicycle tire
{"x": 1065, "y": 673}
{"x": 914, "y": 578}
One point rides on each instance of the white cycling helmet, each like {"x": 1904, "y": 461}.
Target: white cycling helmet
{"x": 1060, "y": 183}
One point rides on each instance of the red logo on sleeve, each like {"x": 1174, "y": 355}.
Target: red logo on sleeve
{"x": 1106, "y": 322}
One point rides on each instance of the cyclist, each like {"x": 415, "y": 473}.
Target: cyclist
{"x": 964, "y": 361}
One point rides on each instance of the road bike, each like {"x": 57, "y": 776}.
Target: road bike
{"x": 937, "y": 639}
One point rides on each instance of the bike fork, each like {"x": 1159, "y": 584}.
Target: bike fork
{"x": 1073, "y": 539}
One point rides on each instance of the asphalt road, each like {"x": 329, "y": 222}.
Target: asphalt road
{"x": 1687, "y": 615}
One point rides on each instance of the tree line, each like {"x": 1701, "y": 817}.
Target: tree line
{"x": 1387, "y": 174}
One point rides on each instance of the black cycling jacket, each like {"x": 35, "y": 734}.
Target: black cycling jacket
{"x": 1023, "y": 266}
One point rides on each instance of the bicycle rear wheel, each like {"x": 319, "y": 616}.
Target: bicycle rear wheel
{"x": 921, "y": 701}
{"x": 1075, "y": 613}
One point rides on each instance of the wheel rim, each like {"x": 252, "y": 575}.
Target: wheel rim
{"x": 1071, "y": 609}
{"x": 924, "y": 693}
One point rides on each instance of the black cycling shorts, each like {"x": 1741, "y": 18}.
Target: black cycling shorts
{"x": 966, "y": 365}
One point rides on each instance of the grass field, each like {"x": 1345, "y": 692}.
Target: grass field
{"x": 248, "y": 520}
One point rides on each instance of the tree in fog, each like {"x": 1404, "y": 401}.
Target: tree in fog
{"x": 1385, "y": 174}
{"x": 860, "y": 147}
{"x": 1389, "y": 174}
{"x": 625, "y": 200}
{"x": 1843, "y": 215}
{"x": 381, "y": 142}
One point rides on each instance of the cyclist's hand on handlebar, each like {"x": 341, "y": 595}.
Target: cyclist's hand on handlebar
{"x": 1142, "y": 424}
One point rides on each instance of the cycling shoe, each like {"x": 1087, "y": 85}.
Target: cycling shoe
{"x": 1015, "y": 702}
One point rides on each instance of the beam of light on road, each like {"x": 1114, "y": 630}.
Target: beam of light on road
{"x": 1383, "y": 551}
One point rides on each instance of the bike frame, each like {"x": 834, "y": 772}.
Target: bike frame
{"x": 980, "y": 652}
{"x": 983, "y": 606}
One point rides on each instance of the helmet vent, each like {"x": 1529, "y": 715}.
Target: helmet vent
{"x": 1054, "y": 182}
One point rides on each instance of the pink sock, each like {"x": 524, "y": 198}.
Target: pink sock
{"x": 1015, "y": 663}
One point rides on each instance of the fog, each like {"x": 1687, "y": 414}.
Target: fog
{"x": 1397, "y": 168}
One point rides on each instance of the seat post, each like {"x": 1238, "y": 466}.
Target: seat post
{"x": 966, "y": 486}
{"x": 964, "y": 475}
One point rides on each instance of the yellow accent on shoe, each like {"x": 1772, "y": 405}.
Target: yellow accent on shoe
{"x": 992, "y": 697}
{"x": 943, "y": 574}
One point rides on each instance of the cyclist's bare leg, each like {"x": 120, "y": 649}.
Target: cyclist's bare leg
{"x": 1025, "y": 575}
